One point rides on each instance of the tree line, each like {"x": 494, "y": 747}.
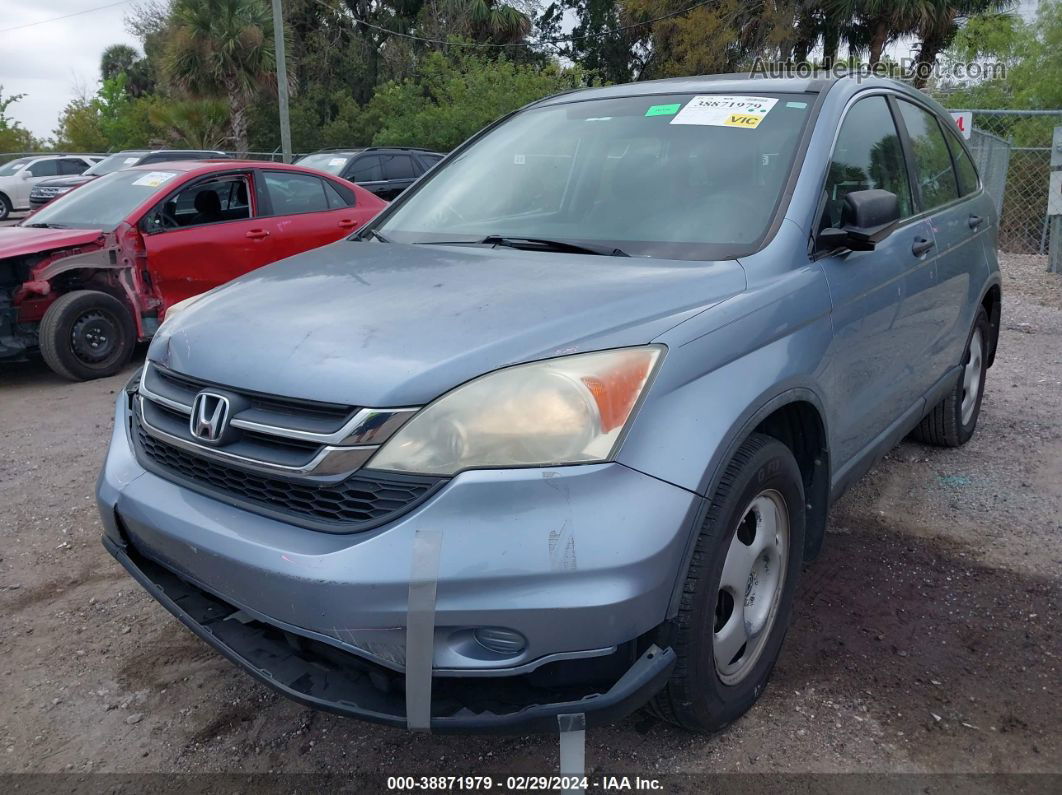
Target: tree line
{"x": 431, "y": 72}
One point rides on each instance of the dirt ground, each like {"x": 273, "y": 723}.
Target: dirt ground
{"x": 925, "y": 639}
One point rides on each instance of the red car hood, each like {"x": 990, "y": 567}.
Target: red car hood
{"x": 16, "y": 241}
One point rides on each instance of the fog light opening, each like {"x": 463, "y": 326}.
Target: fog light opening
{"x": 508, "y": 642}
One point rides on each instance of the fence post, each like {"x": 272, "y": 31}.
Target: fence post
{"x": 1054, "y": 204}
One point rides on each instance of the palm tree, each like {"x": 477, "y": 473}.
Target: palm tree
{"x": 493, "y": 21}
{"x": 192, "y": 123}
{"x": 222, "y": 48}
{"x": 940, "y": 23}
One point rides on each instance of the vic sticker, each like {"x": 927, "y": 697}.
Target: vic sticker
{"x": 719, "y": 110}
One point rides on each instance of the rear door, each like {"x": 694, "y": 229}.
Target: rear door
{"x": 949, "y": 192}
{"x": 204, "y": 233}
{"x": 367, "y": 171}
{"x": 306, "y": 211}
{"x": 866, "y": 379}
{"x": 398, "y": 174}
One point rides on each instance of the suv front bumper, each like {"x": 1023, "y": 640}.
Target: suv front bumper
{"x": 580, "y": 561}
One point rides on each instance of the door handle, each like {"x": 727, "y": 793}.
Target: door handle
{"x": 257, "y": 234}
{"x": 921, "y": 245}
{"x": 975, "y": 221}
{"x": 348, "y": 223}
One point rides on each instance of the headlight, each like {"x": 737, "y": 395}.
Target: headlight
{"x": 569, "y": 410}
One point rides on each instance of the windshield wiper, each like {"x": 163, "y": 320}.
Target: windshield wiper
{"x": 546, "y": 244}
{"x": 365, "y": 234}
{"x": 45, "y": 226}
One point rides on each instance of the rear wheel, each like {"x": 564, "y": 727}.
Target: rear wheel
{"x": 953, "y": 420}
{"x": 739, "y": 590}
{"x": 87, "y": 334}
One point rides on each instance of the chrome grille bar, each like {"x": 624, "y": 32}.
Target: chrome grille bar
{"x": 338, "y": 452}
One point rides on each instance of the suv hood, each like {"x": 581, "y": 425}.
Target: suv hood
{"x": 17, "y": 241}
{"x": 388, "y": 325}
{"x": 65, "y": 182}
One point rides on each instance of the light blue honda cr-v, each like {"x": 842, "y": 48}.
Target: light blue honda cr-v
{"x": 557, "y": 431}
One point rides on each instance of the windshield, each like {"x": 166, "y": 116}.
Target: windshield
{"x": 103, "y": 203}
{"x": 13, "y": 167}
{"x": 682, "y": 176}
{"x": 325, "y": 161}
{"x": 114, "y": 163}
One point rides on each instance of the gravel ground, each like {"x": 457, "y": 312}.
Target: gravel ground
{"x": 925, "y": 638}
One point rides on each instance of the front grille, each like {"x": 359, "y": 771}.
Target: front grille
{"x": 273, "y": 435}
{"x": 357, "y": 503}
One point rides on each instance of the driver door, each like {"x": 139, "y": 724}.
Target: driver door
{"x": 877, "y": 326}
{"x": 204, "y": 234}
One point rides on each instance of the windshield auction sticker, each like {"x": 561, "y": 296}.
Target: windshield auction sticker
{"x": 718, "y": 110}
{"x": 154, "y": 178}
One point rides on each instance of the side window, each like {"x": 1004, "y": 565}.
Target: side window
{"x": 933, "y": 171}
{"x": 867, "y": 155}
{"x": 292, "y": 193}
{"x": 70, "y": 166}
{"x": 365, "y": 169}
{"x": 45, "y": 168}
{"x": 964, "y": 166}
{"x": 337, "y": 199}
{"x": 398, "y": 167}
{"x": 211, "y": 202}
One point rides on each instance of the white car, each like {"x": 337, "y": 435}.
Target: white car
{"x": 17, "y": 177}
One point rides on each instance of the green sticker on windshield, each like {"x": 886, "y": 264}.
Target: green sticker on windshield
{"x": 663, "y": 110}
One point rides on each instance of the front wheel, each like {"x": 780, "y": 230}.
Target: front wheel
{"x": 739, "y": 589}
{"x": 5, "y": 207}
{"x": 86, "y": 334}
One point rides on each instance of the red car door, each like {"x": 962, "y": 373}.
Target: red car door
{"x": 205, "y": 233}
{"x": 307, "y": 210}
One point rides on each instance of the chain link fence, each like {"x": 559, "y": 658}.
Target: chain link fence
{"x": 1013, "y": 153}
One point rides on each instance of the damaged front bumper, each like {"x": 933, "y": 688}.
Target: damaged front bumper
{"x": 320, "y": 676}
{"x": 579, "y": 562}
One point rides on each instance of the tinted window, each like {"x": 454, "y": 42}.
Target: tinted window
{"x": 295, "y": 193}
{"x": 933, "y": 171}
{"x": 681, "y": 175}
{"x": 45, "y": 168}
{"x": 335, "y": 199}
{"x": 867, "y": 155}
{"x": 70, "y": 166}
{"x": 963, "y": 165}
{"x": 397, "y": 167}
{"x": 365, "y": 169}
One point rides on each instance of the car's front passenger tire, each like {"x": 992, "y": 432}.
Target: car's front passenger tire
{"x": 738, "y": 593}
{"x": 952, "y": 421}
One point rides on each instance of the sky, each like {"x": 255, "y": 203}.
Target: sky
{"x": 52, "y": 62}
{"x": 55, "y": 61}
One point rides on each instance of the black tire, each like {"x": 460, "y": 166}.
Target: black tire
{"x": 697, "y": 697}
{"x": 945, "y": 425}
{"x": 5, "y": 207}
{"x": 86, "y": 334}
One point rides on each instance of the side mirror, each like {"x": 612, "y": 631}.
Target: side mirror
{"x": 867, "y": 218}
{"x": 25, "y": 174}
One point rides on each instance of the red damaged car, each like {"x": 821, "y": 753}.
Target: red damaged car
{"x": 91, "y": 274}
